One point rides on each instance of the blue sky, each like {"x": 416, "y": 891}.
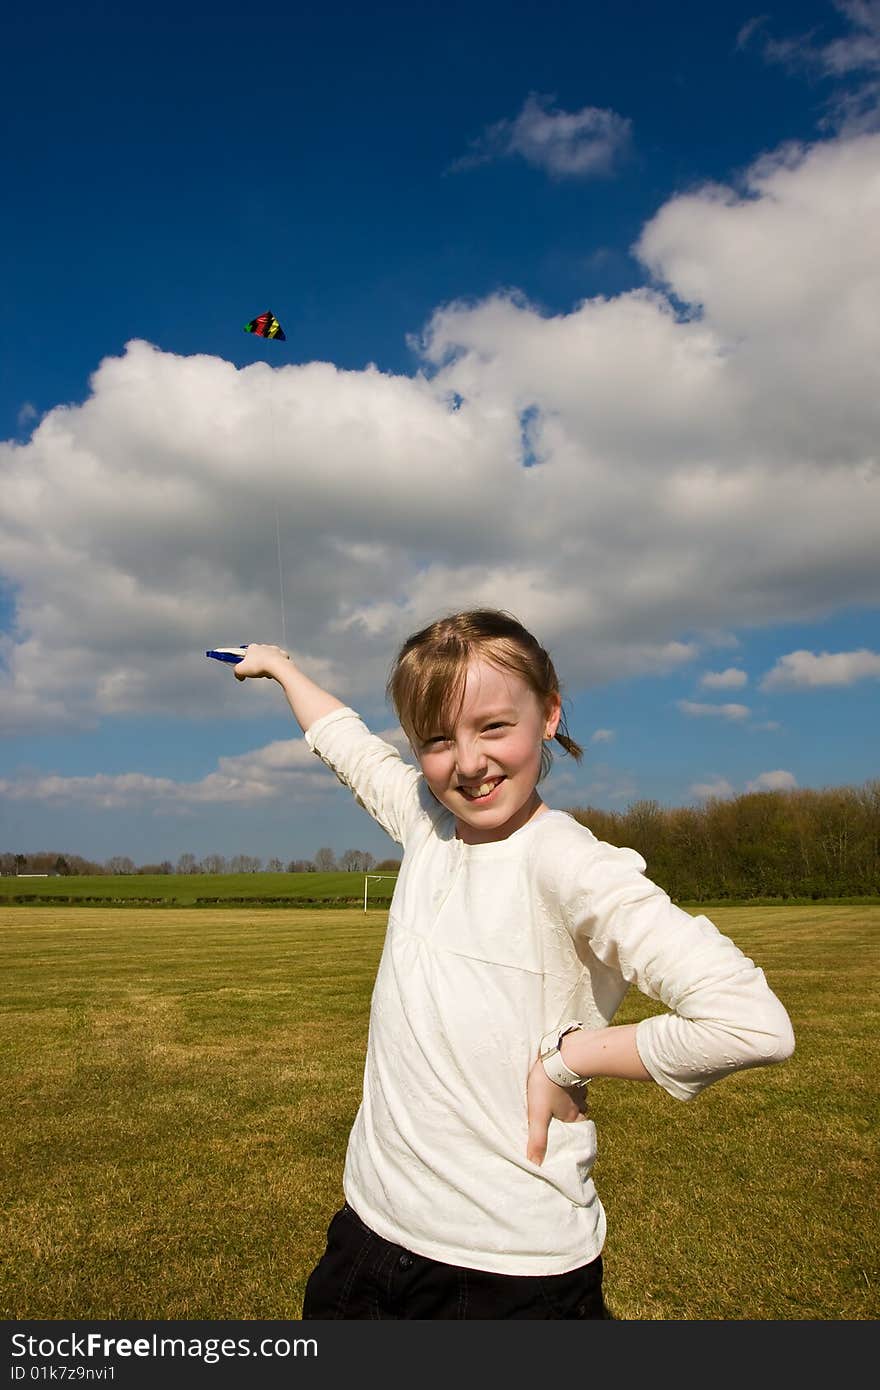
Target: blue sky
{"x": 582, "y": 318}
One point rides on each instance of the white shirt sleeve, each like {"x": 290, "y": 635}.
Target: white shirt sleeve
{"x": 724, "y": 1016}
{"x": 373, "y": 770}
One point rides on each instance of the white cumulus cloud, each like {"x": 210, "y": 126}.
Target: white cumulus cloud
{"x": 279, "y": 769}
{"x": 693, "y": 473}
{"x": 568, "y": 144}
{"x": 717, "y": 789}
{"x": 696, "y": 710}
{"x": 730, "y": 679}
{"x": 261, "y": 775}
{"x": 804, "y": 670}
{"x": 853, "y": 59}
{"x": 777, "y": 781}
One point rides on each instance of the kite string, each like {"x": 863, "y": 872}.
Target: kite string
{"x": 280, "y": 578}
{"x": 277, "y": 520}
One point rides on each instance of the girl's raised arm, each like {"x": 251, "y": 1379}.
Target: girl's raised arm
{"x": 307, "y": 700}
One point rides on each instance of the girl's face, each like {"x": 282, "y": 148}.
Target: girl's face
{"x": 485, "y": 770}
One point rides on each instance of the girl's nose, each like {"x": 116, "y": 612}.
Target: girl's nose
{"x": 469, "y": 762}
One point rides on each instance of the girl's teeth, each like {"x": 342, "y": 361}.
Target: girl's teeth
{"x": 483, "y": 790}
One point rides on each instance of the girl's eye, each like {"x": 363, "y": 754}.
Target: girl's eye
{"x": 496, "y": 726}
{"x": 438, "y": 738}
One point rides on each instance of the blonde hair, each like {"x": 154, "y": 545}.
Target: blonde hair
{"x": 427, "y": 681}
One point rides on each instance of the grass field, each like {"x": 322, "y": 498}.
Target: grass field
{"x": 178, "y": 1089}
{"x": 231, "y": 890}
{"x": 195, "y": 890}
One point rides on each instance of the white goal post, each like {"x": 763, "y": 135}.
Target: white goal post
{"x": 374, "y": 878}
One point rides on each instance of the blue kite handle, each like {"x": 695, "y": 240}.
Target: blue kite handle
{"x": 231, "y": 654}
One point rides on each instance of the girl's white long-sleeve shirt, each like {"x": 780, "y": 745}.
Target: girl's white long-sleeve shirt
{"x": 488, "y": 947}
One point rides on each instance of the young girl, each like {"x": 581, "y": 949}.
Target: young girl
{"x": 512, "y": 937}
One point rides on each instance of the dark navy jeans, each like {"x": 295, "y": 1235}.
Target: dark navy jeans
{"x": 360, "y": 1275}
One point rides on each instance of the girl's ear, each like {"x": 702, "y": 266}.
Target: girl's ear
{"x": 554, "y": 714}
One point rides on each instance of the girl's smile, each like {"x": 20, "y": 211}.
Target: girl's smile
{"x": 484, "y": 792}
{"x": 486, "y": 769}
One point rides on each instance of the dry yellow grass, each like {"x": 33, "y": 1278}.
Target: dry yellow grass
{"x": 179, "y": 1086}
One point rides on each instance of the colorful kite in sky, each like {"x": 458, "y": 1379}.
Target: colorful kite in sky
{"x": 266, "y": 326}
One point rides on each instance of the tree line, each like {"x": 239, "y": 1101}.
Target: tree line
{"x": 784, "y": 844}
{"x": 325, "y": 861}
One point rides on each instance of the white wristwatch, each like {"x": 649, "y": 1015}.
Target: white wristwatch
{"x": 551, "y": 1057}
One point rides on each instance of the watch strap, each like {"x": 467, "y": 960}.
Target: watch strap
{"x": 551, "y": 1056}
